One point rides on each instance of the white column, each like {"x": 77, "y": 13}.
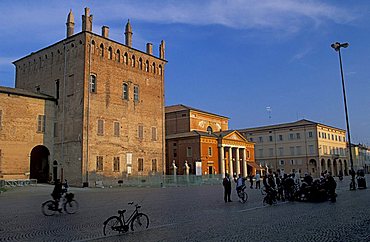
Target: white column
{"x": 244, "y": 163}
{"x": 222, "y": 161}
{"x": 237, "y": 161}
{"x": 231, "y": 170}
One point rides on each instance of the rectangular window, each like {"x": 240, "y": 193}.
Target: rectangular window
{"x": 310, "y": 134}
{"x": 125, "y": 91}
{"x": 270, "y": 138}
{"x": 154, "y": 133}
{"x": 57, "y": 89}
{"x": 340, "y": 138}
{"x": 189, "y": 152}
{"x": 55, "y": 129}
{"x": 292, "y": 162}
{"x": 310, "y": 149}
{"x": 291, "y": 136}
{"x": 174, "y": 153}
{"x": 140, "y": 164}
{"x": 281, "y": 151}
{"x": 328, "y": 136}
{"x": 280, "y": 137}
{"x": 99, "y": 163}
{"x": 299, "y": 150}
{"x": 260, "y": 152}
{"x": 341, "y": 150}
{"x": 209, "y": 151}
{"x": 141, "y": 131}
{"x": 332, "y": 137}
{"x": 136, "y": 93}
{"x": 271, "y": 152}
{"x": 100, "y": 127}
{"x": 319, "y": 134}
{"x": 336, "y": 137}
{"x": 248, "y": 154}
{"x": 282, "y": 162}
{"x": 291, "y": 150}
{"x": 116, "y": 164}
{"x": 325, "y": 149}
{"x": 154, "y": 165}
{"x": 41, "y": 123}
{"x": 260, "y": 139}
{"x": 93, "y": 84}
{"x": 298, "y": 135}
{"x": 116, "y": 129}
{"x": 251, "y": 139}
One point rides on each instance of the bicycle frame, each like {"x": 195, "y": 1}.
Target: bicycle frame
{"x": 127, "y": 222}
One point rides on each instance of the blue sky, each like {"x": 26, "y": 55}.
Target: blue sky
{"x": 233, "y": 58}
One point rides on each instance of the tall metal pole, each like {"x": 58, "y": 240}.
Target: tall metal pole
{"x": 353, "y": 186}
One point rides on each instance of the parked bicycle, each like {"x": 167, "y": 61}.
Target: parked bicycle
{"x": 117, "y": 224}
{"x": 242, "y": 194}
{"x": 70, "y": 206}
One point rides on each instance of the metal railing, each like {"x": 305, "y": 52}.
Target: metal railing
{"x": 159, "y": 181}
{"x": 18, "y": 182}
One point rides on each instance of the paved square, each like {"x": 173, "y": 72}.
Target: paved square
{"x": 195, "y": 213}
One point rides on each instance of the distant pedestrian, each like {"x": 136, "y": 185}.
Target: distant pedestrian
{"x": 227, "y": 188}
{"x": 251, "y": 180}
{"x": 258, "y": 180}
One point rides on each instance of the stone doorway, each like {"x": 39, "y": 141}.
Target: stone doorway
{"x": 39, "y": 164}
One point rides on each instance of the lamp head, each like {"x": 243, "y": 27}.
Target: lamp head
{"x": 336, "y": 46}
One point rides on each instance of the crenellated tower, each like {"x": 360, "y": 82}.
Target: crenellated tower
{"x": 128, "y": 34}
{"x": 87, "y": 21}
{"x": 70, "y": 24}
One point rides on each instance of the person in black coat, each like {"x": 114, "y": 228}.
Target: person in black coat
{"x": 227, "y": 186}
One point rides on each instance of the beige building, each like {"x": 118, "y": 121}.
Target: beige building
{"x": 361, "y": 157}
{"x": 109, "y": 111}
{"x": 25, "y": 131}
{"x": 199, "y": 138}
{"x": 303, "y": 145}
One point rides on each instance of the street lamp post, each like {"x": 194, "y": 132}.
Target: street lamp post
{"x": 336, "y": 46}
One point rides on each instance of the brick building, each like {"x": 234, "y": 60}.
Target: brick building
{"x": 198, "y": 138}
{"x": 108, "y": 116}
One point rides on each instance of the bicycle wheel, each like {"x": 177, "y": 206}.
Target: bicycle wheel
{"x": 112, "y": 226}
{"x": 71, "y": 207}
{"x": 140, "y": 222}
{"x": 243, "y": 197}
{"x": 48, "y": 208}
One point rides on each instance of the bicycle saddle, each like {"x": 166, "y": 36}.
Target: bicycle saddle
{"x": 121, "y": 211}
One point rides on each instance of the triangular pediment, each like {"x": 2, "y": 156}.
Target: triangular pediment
{"x": 235, "y": 135}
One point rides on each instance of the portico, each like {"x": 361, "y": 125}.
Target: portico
{"x": 235, "y": 152}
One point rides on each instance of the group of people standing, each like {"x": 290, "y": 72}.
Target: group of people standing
{"x": 287, "y": 186}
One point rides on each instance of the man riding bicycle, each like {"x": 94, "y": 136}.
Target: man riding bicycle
{"x": 58, "y": 191}
{"x": 240, "y": 183}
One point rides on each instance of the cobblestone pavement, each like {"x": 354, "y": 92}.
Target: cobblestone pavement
{"x": 186, "y": 214}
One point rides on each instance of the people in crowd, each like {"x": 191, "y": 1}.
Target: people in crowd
{"x": 227, "y": 188}
{"x": 258, "y": 180}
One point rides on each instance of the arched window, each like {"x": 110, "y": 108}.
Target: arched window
{"x": 92, "y": 47}
{"x": 125, "y": 58}
{"x": 101, "y": 50}
{"x": 125, "y": 91}
{"x": 153, "y": 67}
{"x": 209, "y": 129}
{"x": 133, "y": 61}
{"x": 160, "y": 70}
{"x": 140, "y": 63}
{"x": 118, "y": 56}
{"x": 92, "y": 83}
{"x": 147, "y": 66}
{"x": 110, "y": 53}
